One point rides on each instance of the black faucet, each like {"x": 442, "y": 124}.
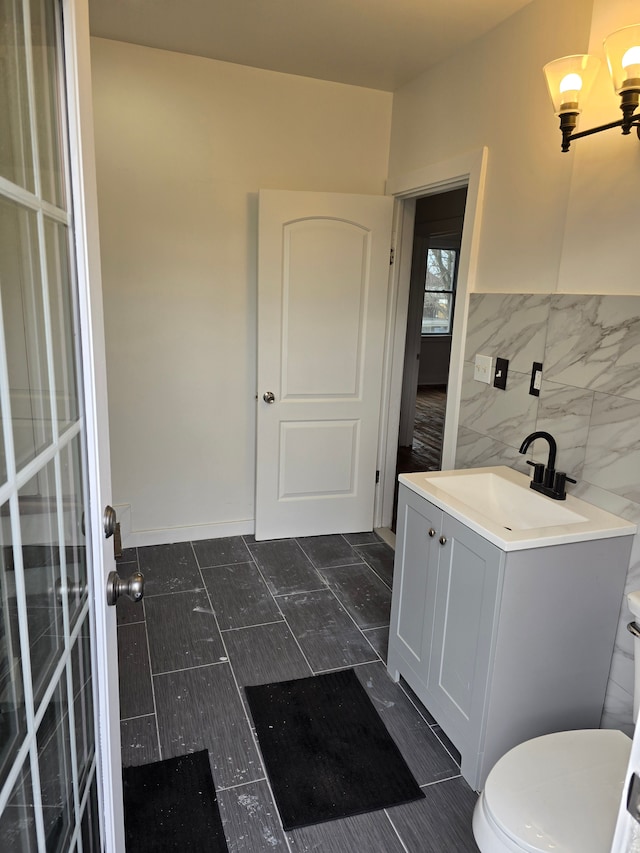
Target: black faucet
{"x": 547, "y": 480}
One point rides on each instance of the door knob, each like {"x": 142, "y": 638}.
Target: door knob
{"x": 443, "y": 540}
{"x": 133, "y": 587}
{"x": 109, "y": 520}
{"x": 432, "y": 532}
{"x": 269, "y": 397}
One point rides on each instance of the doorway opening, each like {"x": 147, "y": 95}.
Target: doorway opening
{"x": 437, "y": 238}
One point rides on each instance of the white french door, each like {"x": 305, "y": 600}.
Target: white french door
{"x": 59, "y": 790}
{"x": 323, "y": 272}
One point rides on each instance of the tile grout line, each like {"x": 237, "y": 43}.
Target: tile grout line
{"x": 243, "y": 705}
{"x": 284, "y": 618}
{"x": 325, "y": 586}
{"x": 153, "y": 690}
{"x": 396, "y": 830}
{"x": 189, "y": 668}
{"x": 137, "y": 717}
{"x": 440, "y": 781}
{"x": 257, "y": 625}
{"x": 364, "y": 560}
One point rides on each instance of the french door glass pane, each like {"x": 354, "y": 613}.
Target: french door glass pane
{"x": 58, "y": 266}
{"x": 90, "y": 825}
{"x": 12, "y": 711}
{"x": 43, "y": 45}
{"x": 75, "y": 550}
{"x": 56, "y": 777}
{"x": 83, "y": 705}
{"x": 23, "y": 310}
{"x": 17, "y": 821}
{"x": 16, "y": 162}
{"x": 41, "y": 561}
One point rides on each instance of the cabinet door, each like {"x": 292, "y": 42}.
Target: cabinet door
{"x": 414, "y": 576}
{"x": 463, "y": 621}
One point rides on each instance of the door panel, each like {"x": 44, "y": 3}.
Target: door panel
{"x": 51, "y": 479}
{"x": 322, "y": 295}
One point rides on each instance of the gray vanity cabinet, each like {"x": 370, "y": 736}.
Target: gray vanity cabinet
{"x": 501, "y": 646}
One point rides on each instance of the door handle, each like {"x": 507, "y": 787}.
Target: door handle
{"x": 109, "y": 521}
{"x": 269, "y": 397}
{"x": 132, "y": 587}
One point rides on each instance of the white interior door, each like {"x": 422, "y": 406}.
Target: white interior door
{"x": 60, "y": 782}
{"x": 323, "y": 272}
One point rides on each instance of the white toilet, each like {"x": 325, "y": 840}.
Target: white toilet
{"x": 559, "y": 792}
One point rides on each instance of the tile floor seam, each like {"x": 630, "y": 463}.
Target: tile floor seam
{"x": 284, "y": 618}
{"x": 299, "y": 592}
{"x": 291, "y": 631}
{"x": 153, "y": 692}
{"x": 377, "y": 574}
{"x": 188, "y": 668}
{"x": 441, "y": 781}
{"x": 241, "y": 784}
{"x": 257, "y": 625}
{"x": 245, "y": 711}
{"x": 396, "y": 830}
{"x": 348, "y": 666}
{"x": 444, "y": 746}
{"x": 356, "y": 624}
{"x": 226, "y": 565}
{"x": 137, "y": 717}
{"x": 173, "y": 592}
{"x": 410, "y": 698}
{"x": 319, "y": 568}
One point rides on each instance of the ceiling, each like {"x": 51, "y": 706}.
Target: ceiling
{"x": 380, "y": 44}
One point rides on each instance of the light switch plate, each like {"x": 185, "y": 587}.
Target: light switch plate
{"x": 500, "y": 378}
{"x": 483, "y": 368}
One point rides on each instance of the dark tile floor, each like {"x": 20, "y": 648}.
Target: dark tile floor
{"x": 225, "y": 613}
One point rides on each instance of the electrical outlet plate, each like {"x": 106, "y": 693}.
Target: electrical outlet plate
{"x": 483, "y": 368}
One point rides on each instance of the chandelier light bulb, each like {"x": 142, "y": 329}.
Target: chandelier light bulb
{"x": 571, "y": 83}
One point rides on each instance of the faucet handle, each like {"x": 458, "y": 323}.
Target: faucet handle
{"x": 538, "y": 470}
{"x": 559, "y": 484}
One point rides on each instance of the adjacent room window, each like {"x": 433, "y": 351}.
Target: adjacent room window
{"x": 439, "y": 291}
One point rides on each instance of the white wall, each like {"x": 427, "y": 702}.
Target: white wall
{"x": 183, "y": 146}
{"x": 600, "y": 253}
{"x": 493, "y": 93}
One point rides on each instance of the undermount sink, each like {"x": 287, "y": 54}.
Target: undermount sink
{"x": 505, "y": 502}
{"x": 498, "y": 503}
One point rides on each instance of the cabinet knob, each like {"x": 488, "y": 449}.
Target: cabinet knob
{"x": 443, "y": 540}
{"x": 432, "y": 532}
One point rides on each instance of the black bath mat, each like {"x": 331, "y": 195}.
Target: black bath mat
{"x": 171, "y": 805}
{"x": 327, "y": 752}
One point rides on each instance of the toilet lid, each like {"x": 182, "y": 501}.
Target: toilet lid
{"x": 560, "y": 792}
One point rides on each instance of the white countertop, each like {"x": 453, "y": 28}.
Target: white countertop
{"x": 493, "y": 500}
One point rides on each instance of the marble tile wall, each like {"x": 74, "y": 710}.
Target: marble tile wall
{"x": 590, "y": 401}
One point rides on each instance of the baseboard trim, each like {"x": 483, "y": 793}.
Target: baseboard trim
{"x": 191, "y": 533}
{"x": 387, "y": 535}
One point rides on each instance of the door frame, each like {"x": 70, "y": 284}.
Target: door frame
{"x": 465, "y": 170}
{"x": 84, "y": 204}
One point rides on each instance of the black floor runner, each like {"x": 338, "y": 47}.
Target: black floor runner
{"x": 171, "y": 805}
{"x": 327, "y": 752}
